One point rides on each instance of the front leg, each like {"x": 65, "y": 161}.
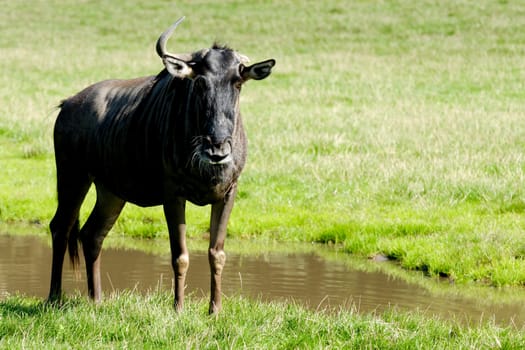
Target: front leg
{"x": 180, "y": 259}
{"x": 220, "y": 214}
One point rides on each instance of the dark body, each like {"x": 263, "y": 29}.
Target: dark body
{"x": 158, "y": 140}
{"x": 138, "y": 151}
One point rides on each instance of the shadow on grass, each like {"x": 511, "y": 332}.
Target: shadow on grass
{"x": 21, "y": 306}
{"x": 15, "y": 306}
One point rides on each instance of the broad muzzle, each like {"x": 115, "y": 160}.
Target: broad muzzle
{"x": 217, "y": 151}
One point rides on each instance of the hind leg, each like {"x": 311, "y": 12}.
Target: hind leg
{"x": 105, "y": 213}
{"x": 72, "y": 188}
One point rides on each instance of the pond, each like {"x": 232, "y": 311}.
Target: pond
{"x": 304, "y": 277}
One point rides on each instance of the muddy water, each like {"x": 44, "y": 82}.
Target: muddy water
{"x": 306, "y": 278}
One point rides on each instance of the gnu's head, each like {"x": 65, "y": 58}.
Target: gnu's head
{"x": 186, "y": 65}
{"x": 218, "y": 74}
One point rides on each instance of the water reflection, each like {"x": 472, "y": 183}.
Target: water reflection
{"x": 306, "y": 278}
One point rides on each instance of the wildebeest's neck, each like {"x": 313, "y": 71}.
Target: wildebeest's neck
{"x": 164, "y": 119}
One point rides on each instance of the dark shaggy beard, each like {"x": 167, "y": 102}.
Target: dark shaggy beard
{"x": 199, "y": 164}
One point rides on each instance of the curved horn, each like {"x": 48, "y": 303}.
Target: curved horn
{"x": 161, "y": 43}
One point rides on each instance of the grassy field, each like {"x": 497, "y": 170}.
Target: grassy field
{"x": 130, "y": 321}
{"x": 388, "y": 127}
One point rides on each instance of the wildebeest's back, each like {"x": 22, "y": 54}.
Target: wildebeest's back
{"x": 100, "y": 130}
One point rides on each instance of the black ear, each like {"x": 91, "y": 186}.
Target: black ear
{"x": 257, "y": 71}
{"x": 177, "y": 67}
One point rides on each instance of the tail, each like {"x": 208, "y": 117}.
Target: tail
{"x": 72, "y": 245}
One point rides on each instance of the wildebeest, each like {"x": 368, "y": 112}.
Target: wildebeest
{"x": 158, "y": 140}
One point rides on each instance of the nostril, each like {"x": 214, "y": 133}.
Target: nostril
{"x": 221, "y": 150}
{"x": 217, "y": 140}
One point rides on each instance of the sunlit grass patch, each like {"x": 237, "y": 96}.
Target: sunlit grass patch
{"x": 127, "y": 319}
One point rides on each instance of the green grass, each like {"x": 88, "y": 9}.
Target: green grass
{"x": 387, "y": 127}
{"x": 128, "y": 320}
